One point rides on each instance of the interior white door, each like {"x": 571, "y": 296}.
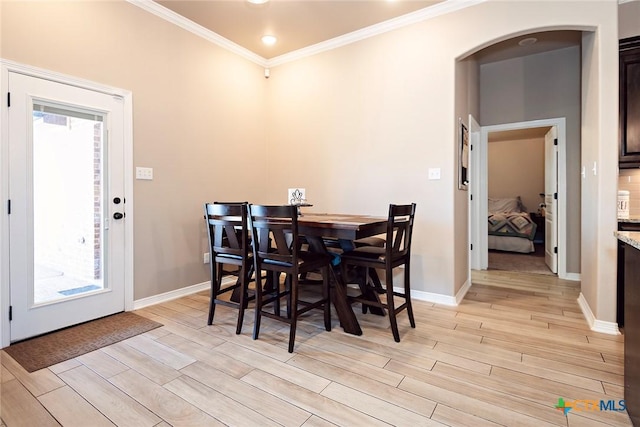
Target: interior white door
{"x": 475, "y": 260}
{"x": 66, "y": 224}
{"x": 551, "y": 199}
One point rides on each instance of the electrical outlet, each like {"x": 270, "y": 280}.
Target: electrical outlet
{"x": 205, "y": 258}
{"x": 434, "y": 173}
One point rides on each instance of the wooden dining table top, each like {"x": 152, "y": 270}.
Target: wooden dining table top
{"x": 341, "y": 226}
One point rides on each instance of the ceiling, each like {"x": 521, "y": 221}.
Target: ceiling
{"x": 296, "y": 24}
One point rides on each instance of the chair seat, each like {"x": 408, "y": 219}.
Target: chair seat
{"x": 228, "y": 257}
{"x": 370, "y": 241}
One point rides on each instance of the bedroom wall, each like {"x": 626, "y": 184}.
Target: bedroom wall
{"x": 542, "y": 86}
{"x": 516, "y": 168}
{"x": 195, "y": 106}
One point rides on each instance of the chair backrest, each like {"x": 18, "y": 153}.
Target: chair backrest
{"x": 228, "y": 229}
{"x": 275, "y": 234}
{"x": 399, "y": 230}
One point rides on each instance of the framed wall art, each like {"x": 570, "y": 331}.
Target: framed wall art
{"x": 463, "y": 156}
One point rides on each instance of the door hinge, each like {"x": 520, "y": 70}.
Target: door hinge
{"x": 9, "y": 207}
{"x": 555, "y": 249}
{"x": 555, "y": 141}
{"x": 470, "y": 196}
{"x": 472, "y": 246}
{"x": 10, "y": 313}
{"x": 471, "y": 147}
{"x": 8, "y": 99}
{"x": 555, "y": 196}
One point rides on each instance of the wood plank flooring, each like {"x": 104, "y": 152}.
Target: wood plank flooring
{"x": 504, "y": 356}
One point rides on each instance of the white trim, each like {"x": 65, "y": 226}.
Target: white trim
{"x": 610, "y": 328}
{"x": 480, "y": 208}
{"x": 438, "y": 298}
{"x": 374, "y": 30}
{"x": 463, "y": 291}
{"x": 177, "y": 293}
{"x": 576, "y": 277}
{"x": 430, "y": 12}
{"x": 7, "y": 66}
{"x": 200, "y": 31}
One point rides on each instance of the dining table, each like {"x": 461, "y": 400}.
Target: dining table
{"x": 341, "y": 229}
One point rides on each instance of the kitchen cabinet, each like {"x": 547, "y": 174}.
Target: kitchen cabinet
{"x": 632, "y": 332}
{"x": 629, "y": 143}
{"x": 631, "y": 225}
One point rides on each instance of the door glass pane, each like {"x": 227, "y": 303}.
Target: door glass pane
{"x": 68, "y": 209}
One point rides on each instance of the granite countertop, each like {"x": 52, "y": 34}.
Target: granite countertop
{"x": 630, "y": 237}
{"x": 631, "y": 219}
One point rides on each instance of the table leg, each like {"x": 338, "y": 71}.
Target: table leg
{"x": 348, "y": 320}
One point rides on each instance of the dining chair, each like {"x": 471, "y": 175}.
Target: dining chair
{"x": 229, "y": 242}
{"x": 396, "y": 252}
{"x": 277, "y": 249}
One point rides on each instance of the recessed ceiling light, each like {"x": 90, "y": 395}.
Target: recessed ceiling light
{"x": 269, "y": 40}
{"x": 258, "y": 1}
{"x": 528, "y": 41}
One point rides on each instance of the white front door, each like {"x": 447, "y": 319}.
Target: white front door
{"x": 551, "y": 199}
{"x": 67, "y": 205}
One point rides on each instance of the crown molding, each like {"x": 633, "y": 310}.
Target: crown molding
{"x": 186, "y": 24}
{"x": 421, "y": 15}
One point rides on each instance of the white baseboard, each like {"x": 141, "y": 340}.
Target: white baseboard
{"x": 576, "y": 277}
{"x": 188, "y": 290}
{"x": 437, "y": 298}
{"x": 596, "y": 325}
{"x": 178, "y": 293}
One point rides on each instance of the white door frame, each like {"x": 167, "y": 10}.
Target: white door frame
{"x": 479, "y": 188}
{"x": 5, "y": 68}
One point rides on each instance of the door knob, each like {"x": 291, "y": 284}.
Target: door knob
{"x": 118, "y": 215}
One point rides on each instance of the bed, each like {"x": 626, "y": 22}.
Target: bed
{"x": 510, "y": 226}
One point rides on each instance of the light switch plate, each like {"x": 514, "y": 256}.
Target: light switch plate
{"x": 434, "y": 173}
{"x": 144, "y": 173}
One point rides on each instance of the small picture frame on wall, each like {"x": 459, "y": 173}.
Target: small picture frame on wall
{"x": 463, "y": 156}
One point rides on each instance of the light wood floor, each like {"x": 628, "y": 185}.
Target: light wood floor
{"x": 502, "y": 357}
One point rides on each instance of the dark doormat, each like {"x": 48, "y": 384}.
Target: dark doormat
{"x": 55, "y": 347}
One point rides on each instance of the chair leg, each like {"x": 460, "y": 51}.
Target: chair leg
{"x": 258, "y": 305}
{"x": 215, "y": 289}
{"x": 275, "y": 284}
{"x": 294, "y": 313}
{"x": 391, "y": 308}
{"x": 244, "y": 285}
{"x": 407, "y": 295}
{"x": 326, "y": 295}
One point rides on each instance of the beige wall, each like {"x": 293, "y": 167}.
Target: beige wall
{"x": 379, "y": 113}
{"x": 358, "y": 126}
{"x": 198, "y": 109}
{"x": 516, "y": 168}
{"x": 629, "y": 19}
{"x": 541, "y": 86}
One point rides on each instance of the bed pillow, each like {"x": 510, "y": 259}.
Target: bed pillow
{"x": 506, "y": 205}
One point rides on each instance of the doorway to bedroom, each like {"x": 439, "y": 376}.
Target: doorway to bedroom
{"x": 521, "y": 193}
{"x": 517, "y": 209}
